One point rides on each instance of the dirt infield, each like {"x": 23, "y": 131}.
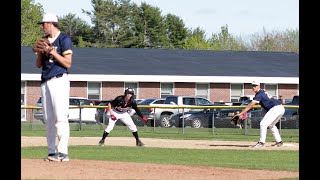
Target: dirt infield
{"x": 91, "y": 169}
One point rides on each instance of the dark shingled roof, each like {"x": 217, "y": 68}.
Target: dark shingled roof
{"x": 133, "y": 61}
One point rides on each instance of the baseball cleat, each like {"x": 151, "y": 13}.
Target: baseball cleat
{"x": 60, "y": 157}
{"x": 277, "y": 144}
{"x": 259, "y": 145}
{"x": 139, "y": 143}
{"x": 101, "y": 142}
{"x": 49, "y": 155}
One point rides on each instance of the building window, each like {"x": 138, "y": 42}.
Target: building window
{"x": 94, "y": 90}
{"x": 166, "y": 89}
{"x": 236, "y": 92}
{"x": 134, "y": 86}
{"x": 23, "y": 111}
{"x": 202, "y": 90}
{"x": 271, "y": 90}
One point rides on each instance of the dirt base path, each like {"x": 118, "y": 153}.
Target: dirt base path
{"x": 92, "y": 169}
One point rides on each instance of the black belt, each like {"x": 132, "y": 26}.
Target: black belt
{"x": 57, "y": 76}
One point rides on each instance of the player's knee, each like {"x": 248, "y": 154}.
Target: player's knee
{"x": 263, "y": 126}
{"x": 133, "y": 128}
{"x": 108, "y": 129}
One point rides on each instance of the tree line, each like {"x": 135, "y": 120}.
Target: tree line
{"x": 124, "y": 24}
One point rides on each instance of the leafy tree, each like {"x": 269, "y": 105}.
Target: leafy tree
{"x": 81, "y": 43}
{"x": 103, "y": 12}
{"x": 153, "y": 27}
{"x": 199, "y": 32}
{"x": 76, "y": 28}
{"x": 137, "y": 27}
{"x": 120, "y": 23}
{"x": 176, "y": 30}
{"x": 196, "y": 40}
{"x": 31, "y": 13}
{"x": 292, "y": 40}
{"x": 262, "y": 42}
{"x": 225, "y": 41}
{"x": 286, "y": 41}
{"x": 127, "y": 35}
{"x": 113, "y": 23}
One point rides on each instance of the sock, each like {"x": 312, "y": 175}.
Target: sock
{"x": 105, "y": 134}
{"x": 135, "y": 134}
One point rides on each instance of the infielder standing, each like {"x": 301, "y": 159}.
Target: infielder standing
{"x": 274, "y": 112}
{"x": 118, "y": 109}
{"x": 55, "y": 61}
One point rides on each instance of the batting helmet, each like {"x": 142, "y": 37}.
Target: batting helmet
{"x": 129, "y": 90}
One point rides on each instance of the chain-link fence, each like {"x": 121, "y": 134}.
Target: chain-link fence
{"x": 211, "y": 120}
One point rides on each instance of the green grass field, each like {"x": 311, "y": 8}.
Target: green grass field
{"x": 263, "y": 160}
{"x": 245, "y": 159}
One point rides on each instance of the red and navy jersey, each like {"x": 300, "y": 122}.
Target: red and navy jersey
{"x": 51, "y": 67}
{"x": 266, "y": 101}
{"x": 121, "y": 105}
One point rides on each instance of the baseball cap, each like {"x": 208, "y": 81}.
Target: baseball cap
{"x": 48, "y": 17}
{"x": 255, "y": 83}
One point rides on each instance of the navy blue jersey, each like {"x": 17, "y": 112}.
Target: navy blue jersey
{"x": 266, "y": 101}
{"x": 119, "y": 104}
{"x": 51, "y": 67}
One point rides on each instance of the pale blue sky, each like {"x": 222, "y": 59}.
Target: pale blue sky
{"x": 243, "y": 17}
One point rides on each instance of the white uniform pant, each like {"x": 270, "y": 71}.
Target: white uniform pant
{"x": 124, "y": 117}
{"x": 270, "y": 120}
{"x": 55, "y": 107}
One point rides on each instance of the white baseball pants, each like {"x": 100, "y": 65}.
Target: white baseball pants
{"x": 55, "y": 107}
{"x": 124, "y": 117}
{"x": 270, "y": 120}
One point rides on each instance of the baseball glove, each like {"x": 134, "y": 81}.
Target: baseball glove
{"x": 42, "y": 46}
{"x": 234, "y": 120}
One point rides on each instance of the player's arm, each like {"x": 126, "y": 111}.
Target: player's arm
{"x": 247, "y": 108}
{"x": 65, "y": 60}
{"x": 135, "y": 107}
{"x": 113, "y": 103}
{"x": 110, "y": 108}
{"x": 112, "y": 116}
{"x": 39, "y": 60}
